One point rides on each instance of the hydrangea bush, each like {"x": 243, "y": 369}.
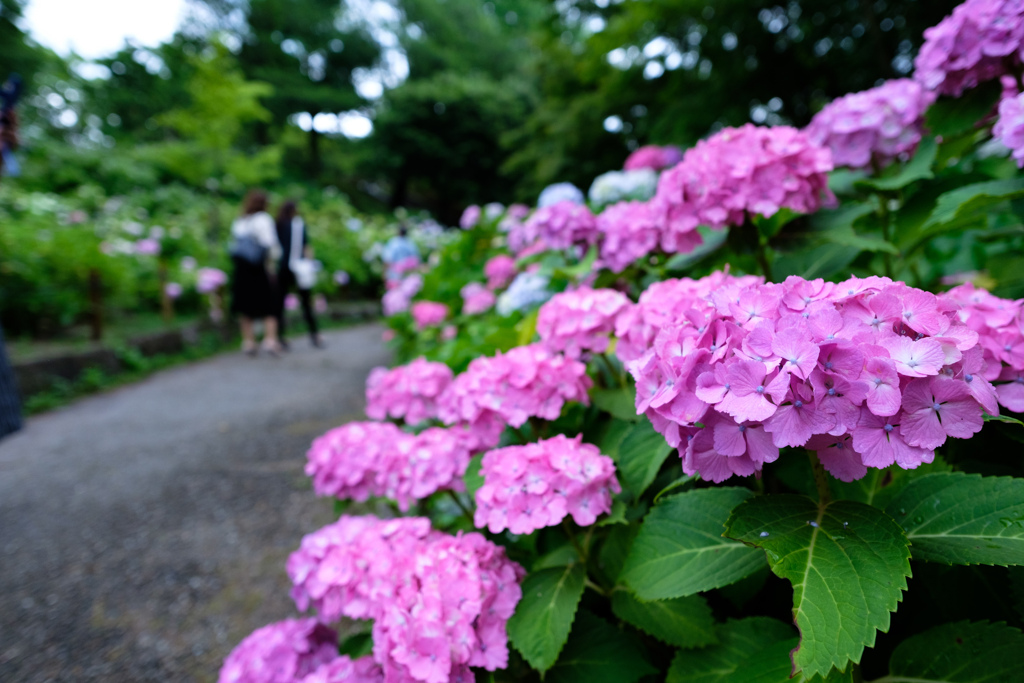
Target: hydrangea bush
{"x": 763, "y": 425}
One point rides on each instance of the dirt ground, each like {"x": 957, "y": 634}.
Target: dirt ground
{"x": 144, "y": 532}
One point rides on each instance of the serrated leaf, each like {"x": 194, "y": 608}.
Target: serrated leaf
{"x": 621, "y": 402}
{"x": 848, "y": 563}
{"x": 772, "y": 665}
{"x": 963, "y": 201}
{"x": 817, "y": 261}
{"x": 544, "y": 615}
{"x": 964, "y": 652}
{"x": 918, "y": 168}
{"x": 739, "y": 640}
{"x": 472, "y": 478}
{"x": 597, "y": 652}
{"x": 641, "y": 455}
{"x": 879, "y": 487}
{"x": 959, "y": 518}
{"x": 680, "y": 483}
{"x": 950, "y": 116}
{"x": 611, "y": 440}
{"x": 683, "y": 622}
{"x": 680, "y": 549}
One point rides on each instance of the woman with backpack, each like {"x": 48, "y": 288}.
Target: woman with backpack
{"x": 255, "y": 252}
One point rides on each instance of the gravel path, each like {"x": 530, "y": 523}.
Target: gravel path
{"x": 144, "y": 532}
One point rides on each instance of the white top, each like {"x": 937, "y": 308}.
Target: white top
{"x": 261, "y": 226}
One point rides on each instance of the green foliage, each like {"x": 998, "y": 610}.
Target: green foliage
{"x": 959, "y": 518}
{"x": 682, "y": 622}
{"x": 848, "y": 563}
{"x": 597, "y": 652}
{"x": 641, "y": 455}
{"x": 963, "y": 652}
{"x": 680, "y": 549}
{"x": 739, "y": 642}
{"x": 544, "y": 616}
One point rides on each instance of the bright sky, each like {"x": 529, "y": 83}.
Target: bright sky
{"x": 97, "y": 28}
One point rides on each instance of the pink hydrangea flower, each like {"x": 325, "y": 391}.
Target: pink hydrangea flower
{"x": 979, "y": 41}
{"x": 399, "y": 296}
{"x": 363, "y": 459}
{"x": 173, "y": 290}
{"x": 580, "y": 320}
{"x": 470, "y": 217}
{"x": 499, "y": 270}
{"x": 654, "y": 157}
{"x": 439, "y": 603}
{"x": 345, "y": 670}
{"x": 210, "y": 279}
{"x": 866, "y": 369}
{"x": 533, "y": 486}
{"x": 476, "y": 299}
{"x": 291, "y": 302}
{"x": 509, "y": 388}
{"x": 630, "y": 231}
{"x": 1009, "y": 128}
{"x": 562, "y": 225}
{"x": 428, "y": 314}
{"x": 282, "y": 652}
{"x": 876, "y": 125}
{"x": 408, "y": 392}
{"x": 147, "y": 247}
{"x": 739, "y": 172}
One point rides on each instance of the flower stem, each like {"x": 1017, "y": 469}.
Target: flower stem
{"x": 820, "y": 479}
{"x": 462, "y": 506}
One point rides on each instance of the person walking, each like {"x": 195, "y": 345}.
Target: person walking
{"x": 10, "y": 91}
{"x": 255, "y": 252}
{"x": 297, "y": 269}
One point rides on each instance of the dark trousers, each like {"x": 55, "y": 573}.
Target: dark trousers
{"x": 285, "y": 282}
{"x": 10, "y": 406}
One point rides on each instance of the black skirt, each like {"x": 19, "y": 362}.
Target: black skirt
{"x": 252, "y": 293}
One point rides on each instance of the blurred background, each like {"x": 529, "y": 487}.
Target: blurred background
{"x": 142, "y": 124}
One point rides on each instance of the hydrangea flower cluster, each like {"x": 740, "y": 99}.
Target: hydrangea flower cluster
{"x": 876, "y": 125}
{"x": 664, "y": 303}
{"x": 629, "y": 230}
{"x": 470, "y": 217}
{"x": 653, "y": 157}
{"x": 363, "y": 459}
{"x": 617, "y": 186}
{"x": 428, "y": 314}
{"x": 533, "y": 486}
{"x": 509, "y": 388}
{"x": 563, "y": 225}
{"x": 528, "y": 289}
{"x": 406, "y": 392}
{"x": 499, "y": 270}
{"x": 560, "y": 192}
{"x": 979, "y": 41}
{"x": 439, "y": 603}
{"x": 345, "y": 670}
{"x": 1009, "y": 128}
{"x": 580, "y": 320}
{"x": 210, "y": 279}
{"x": 282, "y": 652}
{"x": 867, "y": 372}
{"x": 1000, "y": 357}
{"x": 736, "y": 172}
{"x": 398, "y": 297}
{"x": 476, "y": 298}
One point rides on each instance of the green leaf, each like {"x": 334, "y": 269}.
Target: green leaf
{"x": 614, "y": 551}
{"x": 680, "y": 549}
{"x": 918, "y": 168}
{"x": 683, "y": 622}
{"x": 817, "y": 261}
{"x": 964, "y": 652}
{"x": 951, "y": 116}
{"x": 472, "y": 478}
{"x": 541, "y": 623}
{"x": 964, "y": 201}
{"x": 613, "y": 436}
{"x": 686, "y": 481}
{"x": 597, "y": 652}
{"x": 641, "y": 455}
{"x": 560, "y": 557}
{"x": 958, "y": 518}
{"x": 617, "y": 515}
{"x": 1003, "y": 418}
{"x": 879, "y": 487}
{"x": 848, "y": 563}
{"x": 846, "y": 237}
{"x": 712, "y": 240}
{"x": 621, "y": 402}
{"x": 772, "y": 664}
{"x": 739, "y": 640}
{"x": 527, "y": 328}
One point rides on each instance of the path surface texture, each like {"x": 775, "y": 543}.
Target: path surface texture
{"x": 144, "y": 532}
